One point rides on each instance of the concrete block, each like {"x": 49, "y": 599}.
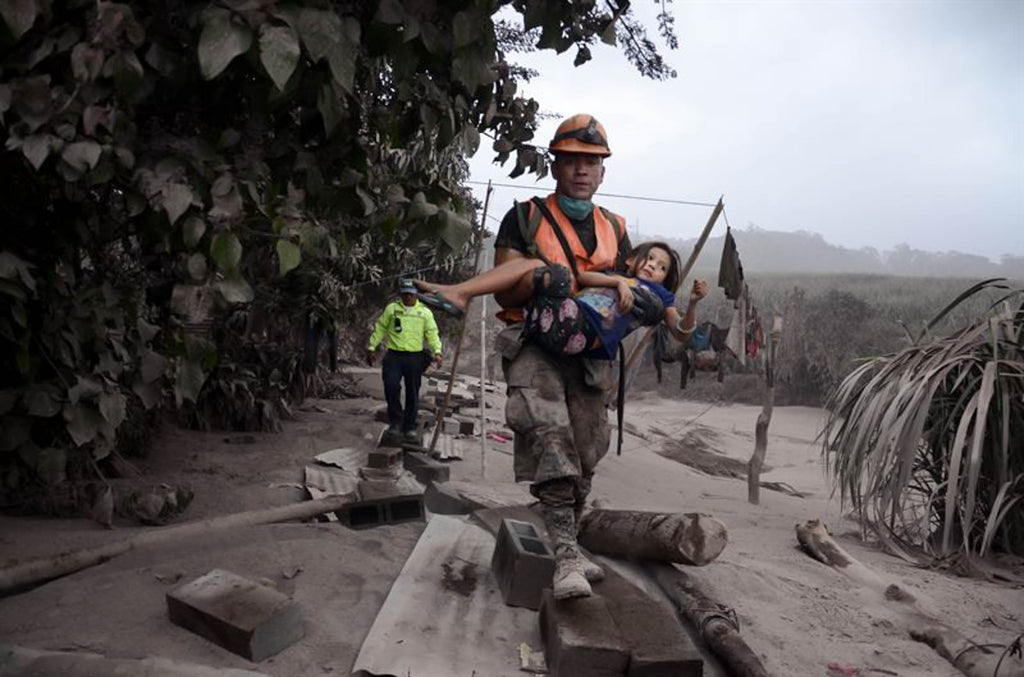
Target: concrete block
{"x": 659, "y": 645}
{"x": 522, "y": 563}
{"x": 402, "y": 499}
{"x": 362, "y": 514}
{"x": 467, "y": 424}
{"x": 451, "y": 426}
{"x": 581, "y": 638}
{"x": 240, "y": 615}
{"x": 442, "y": 499}
{"x": 425, "y": 469}
{"x": 384, "y": 457}
{"x": 392, "y": 472}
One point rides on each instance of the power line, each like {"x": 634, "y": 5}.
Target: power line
{"x": 627, "y": 197}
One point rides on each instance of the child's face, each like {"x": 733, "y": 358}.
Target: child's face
{"x": 655, "y": 267}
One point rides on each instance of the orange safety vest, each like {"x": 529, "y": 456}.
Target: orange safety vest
{"x": 539, "y": 233}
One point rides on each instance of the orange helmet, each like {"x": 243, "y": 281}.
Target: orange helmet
{"x": 581, "y": 133}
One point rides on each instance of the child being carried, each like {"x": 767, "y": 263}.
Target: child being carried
{"x": 594, "y": 320}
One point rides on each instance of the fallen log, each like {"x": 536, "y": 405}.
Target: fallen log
{"x": 716, "y": 624}
{"x": 686, "y": 538}
{"x": 971, "y": 658}
{"x": 24, "y": 574}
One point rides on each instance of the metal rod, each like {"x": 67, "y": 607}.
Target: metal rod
{"x": 458, "y": 346}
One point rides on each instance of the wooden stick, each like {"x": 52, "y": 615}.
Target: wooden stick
{"x": 717, "y": 625}
{"x": 764, "y": 419}
{"x": 690, "y": 538}
{"x": 44, "y": 569}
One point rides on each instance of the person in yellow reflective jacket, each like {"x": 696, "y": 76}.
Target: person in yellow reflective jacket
{"x": 407, "y": 322}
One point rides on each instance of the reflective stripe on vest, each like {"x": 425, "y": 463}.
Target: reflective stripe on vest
{"x": 548, "y": 246}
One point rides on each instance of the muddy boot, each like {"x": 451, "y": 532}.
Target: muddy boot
{"x": 569, "y": 580}
{"x": 591, "y": 570}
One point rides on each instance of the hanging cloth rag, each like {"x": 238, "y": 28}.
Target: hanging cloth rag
{"x": 730, "y": 270}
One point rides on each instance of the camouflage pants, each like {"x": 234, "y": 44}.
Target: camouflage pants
{"x": 557, "y": 409}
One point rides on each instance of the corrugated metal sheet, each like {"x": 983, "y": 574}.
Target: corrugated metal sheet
{"x": 444, "y": 616}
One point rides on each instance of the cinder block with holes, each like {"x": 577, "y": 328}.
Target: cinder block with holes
{"x": 362, "y": 514}
{"x": 240, "y": 615}
{"x": 581, "y": 639}
{"x": 523, "y": 564}
{"x": 399, "y": 500}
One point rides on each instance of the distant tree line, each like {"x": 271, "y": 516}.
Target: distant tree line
{"x": 772, "y": 251}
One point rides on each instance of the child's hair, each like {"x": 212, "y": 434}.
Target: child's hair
{"x": 671, "y": 281}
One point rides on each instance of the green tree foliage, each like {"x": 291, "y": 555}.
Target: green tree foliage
{"x": 189, "y": 185}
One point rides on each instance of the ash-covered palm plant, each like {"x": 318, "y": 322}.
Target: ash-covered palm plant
{"x": 928, "y": 443}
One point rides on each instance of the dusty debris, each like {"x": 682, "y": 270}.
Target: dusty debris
{"x": 532, "y": 661}
{"x": 17, "y": 660}
{"x": 157, "y": 507}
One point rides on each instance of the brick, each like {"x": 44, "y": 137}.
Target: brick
{"x": 240, "y": 615}
{"x": 424, "y": 468}
{"x": 441, "y": 498}
{"x": 581, "y": 638}
{"x": 384, "y": 457}
{"x": 522, "y": 563}
{"x": 659, "y": 646}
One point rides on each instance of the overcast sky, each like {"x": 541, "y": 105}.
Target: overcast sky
{"x": 872, "y": 123}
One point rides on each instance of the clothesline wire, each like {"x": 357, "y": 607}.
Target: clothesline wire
{"x": 618, "y": 195}
{"x": 497, "y": 220}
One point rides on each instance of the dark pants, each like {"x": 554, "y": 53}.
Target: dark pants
{"x": 398, "y": 367}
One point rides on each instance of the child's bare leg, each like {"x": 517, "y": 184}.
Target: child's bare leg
{"x": 516, "y": 274}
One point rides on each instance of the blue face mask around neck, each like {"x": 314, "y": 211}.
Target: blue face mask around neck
{"x": 575, "y": 209}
